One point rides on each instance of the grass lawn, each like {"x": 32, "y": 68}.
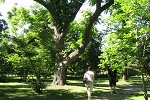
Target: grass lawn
{"x": 75, "y": 90}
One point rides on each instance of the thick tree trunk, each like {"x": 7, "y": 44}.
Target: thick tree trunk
{"x": 60, "y": 76}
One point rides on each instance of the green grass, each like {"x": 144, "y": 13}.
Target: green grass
{"x": 74, "y": 90}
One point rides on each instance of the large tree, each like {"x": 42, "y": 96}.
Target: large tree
{"x": 63, "y": 13}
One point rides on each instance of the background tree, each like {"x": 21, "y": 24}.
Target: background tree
{"x": 31, "y": 55}
{"x": 129, "y": 22}
{"x": 5, "y": 67}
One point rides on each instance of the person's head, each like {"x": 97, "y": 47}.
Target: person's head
{"x": 89, "y": 68}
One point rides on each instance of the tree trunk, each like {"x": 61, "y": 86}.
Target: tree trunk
{"x": 38, "y": 85}
{"x": 144, "y": 85}
{"x": 60, "y": 76}
{"x": 125, "y": 75}
{"x": 142, "y": 63}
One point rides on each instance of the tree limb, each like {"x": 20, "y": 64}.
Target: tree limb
{"x": 51, "y": 6}
{"x": 74, "y": 13}
{"x": 107, "y": 5}
{"x": 87, "y": 34}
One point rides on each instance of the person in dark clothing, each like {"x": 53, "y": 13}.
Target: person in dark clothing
{"x": 112, "y": 74}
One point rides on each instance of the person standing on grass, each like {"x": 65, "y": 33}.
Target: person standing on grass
{"x": 89, "y": 77}
{"x": 112, "y": 75}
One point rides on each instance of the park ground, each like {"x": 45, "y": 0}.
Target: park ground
{"x": 74, "y": 90}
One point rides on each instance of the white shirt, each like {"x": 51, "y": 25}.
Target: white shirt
{"x": 89, "y": 75}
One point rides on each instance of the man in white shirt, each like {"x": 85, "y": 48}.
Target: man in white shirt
{"x": 89, "y": 76}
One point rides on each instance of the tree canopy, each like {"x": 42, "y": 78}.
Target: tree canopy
{"x": 127, "y": 42}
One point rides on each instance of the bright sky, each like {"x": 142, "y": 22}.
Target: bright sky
{"x": 5, "y": 7}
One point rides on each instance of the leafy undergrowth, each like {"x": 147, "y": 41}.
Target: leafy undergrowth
{"x": 74, "y": 90}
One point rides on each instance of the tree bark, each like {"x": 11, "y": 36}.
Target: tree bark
{"x": 60, "y": 76}
{"x": 144, "y": 84}
{"x": 38, "y": 85}
{"x": 125, "y": 75}
{"x": 142, "y": 62}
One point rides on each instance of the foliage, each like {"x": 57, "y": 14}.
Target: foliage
{"x": 5, "y": 67}
{"x": 74, "y": 40}
{"x": 32, "y": 53}
{"x": 129, "y": 20}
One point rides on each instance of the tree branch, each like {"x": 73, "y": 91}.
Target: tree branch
{"x": 107, "y": 5}
{"x": 74, "y": 13}
{"x": 87, "y": 34}
{"x": 51, "y": 6}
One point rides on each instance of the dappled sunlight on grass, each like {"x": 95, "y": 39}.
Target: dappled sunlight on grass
{"x": 74, "y": 90}
{"x": 13, "y": 83}
{"x": 11, "y": 90}
{"x": 71, "y": 89}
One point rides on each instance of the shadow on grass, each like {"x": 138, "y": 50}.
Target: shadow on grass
{"x": 60, "y": 94}
{"x": 22, "y": 91}
{"x": 124, "y": 92}
{"x": 135, "y": 79}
